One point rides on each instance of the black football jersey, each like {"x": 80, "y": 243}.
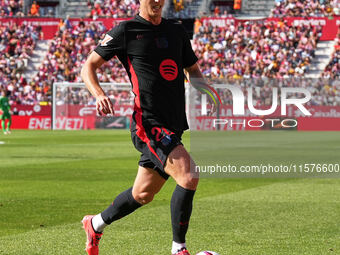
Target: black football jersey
{"x": 154, "y": 57}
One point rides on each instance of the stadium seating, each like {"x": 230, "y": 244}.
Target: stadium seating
{"x": 184, "y": 9}
{"x": 239, "y": 51}
{"x": 11, "y": 8}
{"x": 67, "y": 53}
{"x": 252, "y": 50}
{"x": 332, "y": 71}
{"x": 17, "y": 43}
{"x": 301, "y": 8}
{"x": 113, "y": 8}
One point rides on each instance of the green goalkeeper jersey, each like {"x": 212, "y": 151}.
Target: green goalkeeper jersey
{"x": 4, "y": 104}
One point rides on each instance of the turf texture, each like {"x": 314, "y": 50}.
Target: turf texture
{"x": 50, "y": 179}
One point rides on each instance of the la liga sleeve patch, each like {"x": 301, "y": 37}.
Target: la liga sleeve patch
{"x": 106, "y": 39}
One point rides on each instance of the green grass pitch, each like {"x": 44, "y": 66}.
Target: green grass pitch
{"x": 49, "y": 180}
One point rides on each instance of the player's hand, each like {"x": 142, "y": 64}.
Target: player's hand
{"x": 104, "y": 106}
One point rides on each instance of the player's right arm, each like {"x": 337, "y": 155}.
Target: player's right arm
{"x": 89, "y": 75}
{"x": 111, "y": 45}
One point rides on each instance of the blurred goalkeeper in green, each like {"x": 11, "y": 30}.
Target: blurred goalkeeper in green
{"x": 5, "y": 113}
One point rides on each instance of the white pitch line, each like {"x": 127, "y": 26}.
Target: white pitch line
{"x": 2, "y": 142}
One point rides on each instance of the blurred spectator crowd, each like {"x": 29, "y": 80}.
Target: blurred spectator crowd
{"x": 178, "y": 8}
{"x": 67, "y": 53}
{"x": 11, "y": 8}
{"x": 249, "y": 51}
{"x": 241, "y": 51}
{"x": 332, "y": 70}
{"x": 302, "y": 8}
{"x": 17, "y": 43}
{"x": 97, "y": 8}
{"x": 253, "y": 50}
{"x": 113, "y": 8}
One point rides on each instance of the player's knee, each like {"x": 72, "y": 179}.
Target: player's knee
{"x": 144, "y": 197}
{"x": 189, "y": 181}
{"x": 187, "y": 177}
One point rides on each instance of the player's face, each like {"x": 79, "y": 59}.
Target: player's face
{"x": 152, "y": 8}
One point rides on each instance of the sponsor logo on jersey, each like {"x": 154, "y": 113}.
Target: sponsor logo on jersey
{"x": 106, "y": 39}
{"x": 168, "y": 69}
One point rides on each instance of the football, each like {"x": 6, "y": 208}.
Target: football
{"x": 207, "y": 253}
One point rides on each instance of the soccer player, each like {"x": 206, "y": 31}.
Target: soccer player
{"x": 154, "y": 52}
{"x": 5, "y": 113}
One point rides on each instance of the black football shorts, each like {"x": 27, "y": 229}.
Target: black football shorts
{"x": 155, "y": 144}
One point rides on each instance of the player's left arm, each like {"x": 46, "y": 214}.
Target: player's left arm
{"x": 195, "y": 76}
{"x": 193, "y": 72}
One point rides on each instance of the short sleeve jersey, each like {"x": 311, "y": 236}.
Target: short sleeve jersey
{"x": 154, "y": 57}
